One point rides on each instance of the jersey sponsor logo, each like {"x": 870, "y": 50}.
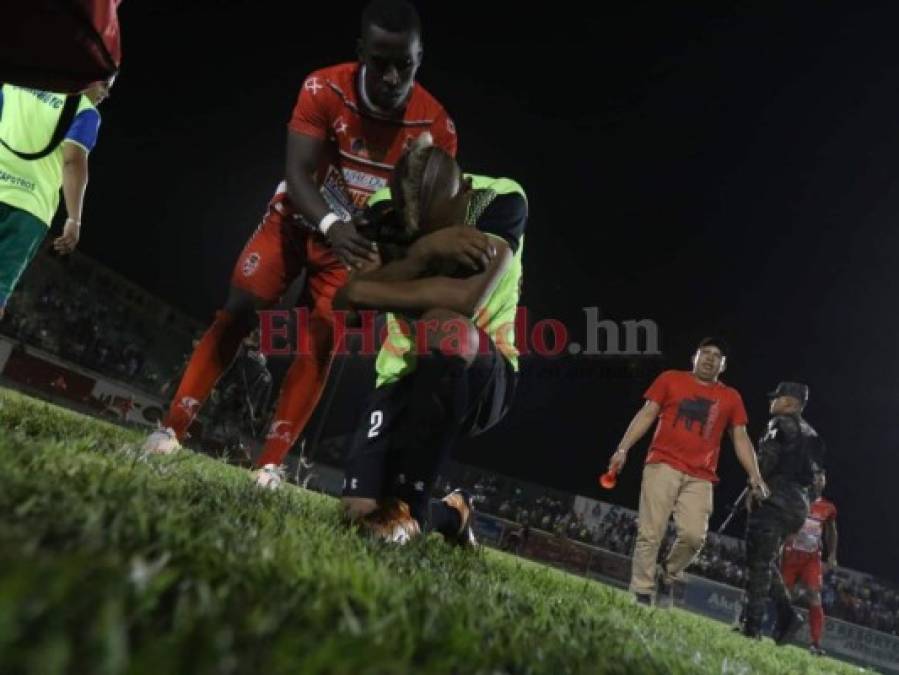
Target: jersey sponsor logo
{"x": 360, "y": 198}
{"x": 251, "y": 264}
{"x": 335, "y": 192}
{"x": 363, "y": 180}
{"x": 51, "y": 100}
{"x": 17, "y": 181}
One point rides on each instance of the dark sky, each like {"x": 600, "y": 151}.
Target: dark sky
{"x": 729, "y": 170}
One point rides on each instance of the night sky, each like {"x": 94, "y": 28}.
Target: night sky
{"x": 727, "y": 170}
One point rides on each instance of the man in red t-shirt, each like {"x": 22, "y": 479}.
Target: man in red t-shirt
{"x": 802, "y": 556}
{"x": 351, "y": 124}
{"x": 693, "y": 410}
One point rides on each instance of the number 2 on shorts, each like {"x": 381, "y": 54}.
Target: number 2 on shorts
{"x": 377, "y": 419}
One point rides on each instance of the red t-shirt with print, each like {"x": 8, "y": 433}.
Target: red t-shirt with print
{"x": 693, "y": 417}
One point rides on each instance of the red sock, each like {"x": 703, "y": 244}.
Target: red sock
{"x": 210, "y": 359}
{"x": 302, "y": 387}
{"x": 816, "y": 623}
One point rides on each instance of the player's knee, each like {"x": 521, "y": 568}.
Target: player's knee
{"x": 450, "y": 333}
{"x": 243, "y": 305}
{"x": 692, "y": 538}
{"x": 320, "y": 337}
{"x": 356, "y": 508}
{"x": 647, "y": 536}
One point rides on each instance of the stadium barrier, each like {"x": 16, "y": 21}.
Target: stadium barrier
{"x": 39, "y": 373}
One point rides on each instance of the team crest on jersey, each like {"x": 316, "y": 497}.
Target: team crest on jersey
{"x": 357, "y": 147}
{"x": 313, "y": 84}
{"x": 251, "y": 264}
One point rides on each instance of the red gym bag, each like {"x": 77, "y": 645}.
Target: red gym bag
{"x": 59, "y": 45}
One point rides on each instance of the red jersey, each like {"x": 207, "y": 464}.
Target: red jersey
{"x": 692, "y": 420}
{"x": 810, "y": 539}
{"x": 361, "y": 147}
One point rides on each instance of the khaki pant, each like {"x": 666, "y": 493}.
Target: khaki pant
{"x": 665, "y": 491}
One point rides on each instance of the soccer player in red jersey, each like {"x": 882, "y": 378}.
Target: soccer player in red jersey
{"x": 350, "y": 125}
{"x": 802, "y": 557}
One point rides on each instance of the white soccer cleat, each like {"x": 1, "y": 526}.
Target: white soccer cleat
{"x": 163, "y": 441}
{"x": 269, "y": 477}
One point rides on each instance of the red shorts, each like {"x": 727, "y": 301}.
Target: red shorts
{"x": 802, "y": 567}
{"x": 276, "y": 254}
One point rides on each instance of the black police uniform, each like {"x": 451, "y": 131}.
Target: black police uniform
{"x": 789, "y": 454}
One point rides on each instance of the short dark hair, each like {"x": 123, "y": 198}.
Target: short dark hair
{"x": 715, "y": 341}
{"x": 394, "y": 16}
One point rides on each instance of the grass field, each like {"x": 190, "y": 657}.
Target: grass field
{"x": 115, "y": 563}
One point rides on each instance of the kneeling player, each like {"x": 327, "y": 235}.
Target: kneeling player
{"x": 448, "y": 368}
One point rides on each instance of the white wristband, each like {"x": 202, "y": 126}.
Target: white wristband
{"x": 327, "y": 222}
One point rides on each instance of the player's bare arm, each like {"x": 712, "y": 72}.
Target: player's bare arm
{"x": 640, "y": 424}
{"x": 74, "y": 184}
{"x": 463, "y": 296}
{"x": 303, "y": 154}
{"x": 745, "y": 452}
{"x": 462, "y": 245}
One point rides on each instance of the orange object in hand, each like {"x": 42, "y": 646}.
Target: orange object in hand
{"x": 608, "y": 480}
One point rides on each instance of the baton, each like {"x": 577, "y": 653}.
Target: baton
{"x": 734, "y": 509}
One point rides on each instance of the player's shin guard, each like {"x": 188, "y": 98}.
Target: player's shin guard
{"x": 300, "y": 392}
{"x": 437, "y": 405}
{"x": 213, "y": 355}
{"x": 816, "y": 623}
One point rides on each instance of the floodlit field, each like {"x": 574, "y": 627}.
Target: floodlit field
{"x": 111, "y": 562}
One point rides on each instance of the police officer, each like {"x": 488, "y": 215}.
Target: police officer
{"x": 789, "y": 454}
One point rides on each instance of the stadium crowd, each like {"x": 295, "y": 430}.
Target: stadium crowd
{"x": 80, "y": 313}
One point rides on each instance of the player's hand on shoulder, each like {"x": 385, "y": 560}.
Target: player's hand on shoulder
{"x": 350, "y": 247}
{"x": 368, "y": 264}
{"x": 460, "y": 244}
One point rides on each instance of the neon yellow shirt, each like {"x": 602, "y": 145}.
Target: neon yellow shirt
{"x": 28, "y": 118}
{"x": 496, "y": 316}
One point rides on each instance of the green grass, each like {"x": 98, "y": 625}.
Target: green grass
{"x": 115, "y": 563}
